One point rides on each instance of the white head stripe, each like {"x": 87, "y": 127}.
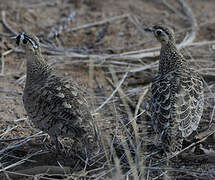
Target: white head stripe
{"x": 33, "y": 43}
{"x": 164, "y": 33}
{"x": 23, "y": 36}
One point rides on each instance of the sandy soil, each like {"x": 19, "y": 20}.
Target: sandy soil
{"x": 117, "y": 36}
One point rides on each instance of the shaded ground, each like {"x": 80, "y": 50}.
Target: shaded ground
{"x": 72, "y": 51}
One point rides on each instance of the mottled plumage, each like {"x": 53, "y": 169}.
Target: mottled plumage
{"x": 177, "y": 94}
{"x": 55, "y": 105}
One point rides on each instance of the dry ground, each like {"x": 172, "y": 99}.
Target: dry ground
{"x": 97, "y": 42}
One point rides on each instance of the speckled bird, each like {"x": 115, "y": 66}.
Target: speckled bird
{"x": 56, "y": 105}
{"x": 177, "y": 94}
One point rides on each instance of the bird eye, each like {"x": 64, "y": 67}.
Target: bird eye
{"x": 24, "y": 41}
{"x": 158, "y": 32}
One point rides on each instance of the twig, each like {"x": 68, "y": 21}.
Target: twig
{"x": 188, "y": 39}
{"x": 124, "y": 142}
{"x": 62, "y": 27}
{"x": 3, "y": 61}
{"x": 149, "y": 66}
{"x": 20, "y": 162}
{"x": 2, "y": 66}
{"x": 212, "y": 131}
{"x": 9, "y": 129}
{"x": 189, "y": 13}
{"x": 172, "y": 8}
{"x": 140, "y": 101}
{"x": 21, "y": 79}
{"x": 20, "y": 143}
{"x": 113, "y": 93}
{"x": 98, "y": 22}
{"x": 135, "y": 21}
{"x": 7, "y": 26}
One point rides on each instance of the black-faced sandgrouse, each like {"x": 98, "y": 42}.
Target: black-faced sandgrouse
{"x": 55, "y": 105}
{"x": 177, "y": 94}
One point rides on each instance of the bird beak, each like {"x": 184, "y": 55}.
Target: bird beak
{"x": 20, "y": 36}
{"x": 13, "y": 37}
{"x": 148, "y": 29}
{"x": 18, "y": 39}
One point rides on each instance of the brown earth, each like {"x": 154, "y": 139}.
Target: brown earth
{"x": 110, "y": 37}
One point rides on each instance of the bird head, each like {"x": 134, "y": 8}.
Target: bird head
{"x": 29, "y": 42}
{"x": 162, "y": 33}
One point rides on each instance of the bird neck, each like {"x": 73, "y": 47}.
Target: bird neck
{"x": 37, "y": 68}
{"x": 170, "y": 58}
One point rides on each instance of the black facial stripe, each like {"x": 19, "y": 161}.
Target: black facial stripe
{"x": 34, "y": 44}
{"x": 159, "y": 27}
{"x": 27, "y": 37}
{"x": 18, "y": 39}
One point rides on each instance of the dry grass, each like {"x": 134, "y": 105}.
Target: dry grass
{"x": 110, "y": 73}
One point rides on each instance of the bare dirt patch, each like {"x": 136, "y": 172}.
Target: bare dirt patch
{"x": 78, "y": 35}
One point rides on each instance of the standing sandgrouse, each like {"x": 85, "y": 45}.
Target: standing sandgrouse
{"x": 177, "y": 94}
{"x": 55, "y": 105}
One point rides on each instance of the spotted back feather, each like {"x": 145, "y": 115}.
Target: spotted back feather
{"x": 177, "y": 98}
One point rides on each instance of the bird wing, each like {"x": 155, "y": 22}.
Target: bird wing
{"x": 64, "y": 109}
{"x": 177, "y": 97}
{"x": 189, "y": 101}
{"x": 161, "y": 104}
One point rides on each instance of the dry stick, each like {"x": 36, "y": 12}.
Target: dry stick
{"x": 149, "y": 66}
{"x": 9, "y": 129}
{"x": 21, "y": 79}
{"x": 172, "y": 8}
{"x": 2, "y": 66}
{"x": 133, "y": 55}
{"x": 3, "y": 61}
{"x": 209, "y": 89}
{"x": 139, "y": 103}
{"x": 13, "y": 139}
{"x": 104, "y": 139}
{"x": 201, "y": 43}
{"x": 193, "y": 144}
{"x": 117, "y": 161}
{"x": 193, "y": 22}
{"x": 131, "y": 103}
{"x": 62, "y": 27}
{"x": 98, "y": 22}
{"x": 3, "y": 14}
{"x": 96, "y": 117}
{"x": 21, "y": 143}
{"x": 149, "y": 169}
{"x": 144, "y": 53}
{"x": 141, "y": 53}
{"x": 91, "y": 75}
{"x": 113, "y": 93}
{"x": 125, "y": 145}
{"x": 141, "y": 163}
{"x": 19, "y": 162}
{"x": 46, "y": 170}
{"x": 187, "y": 40}
{"x": 136, "y": 54}
{"x": 135, "y": 21}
